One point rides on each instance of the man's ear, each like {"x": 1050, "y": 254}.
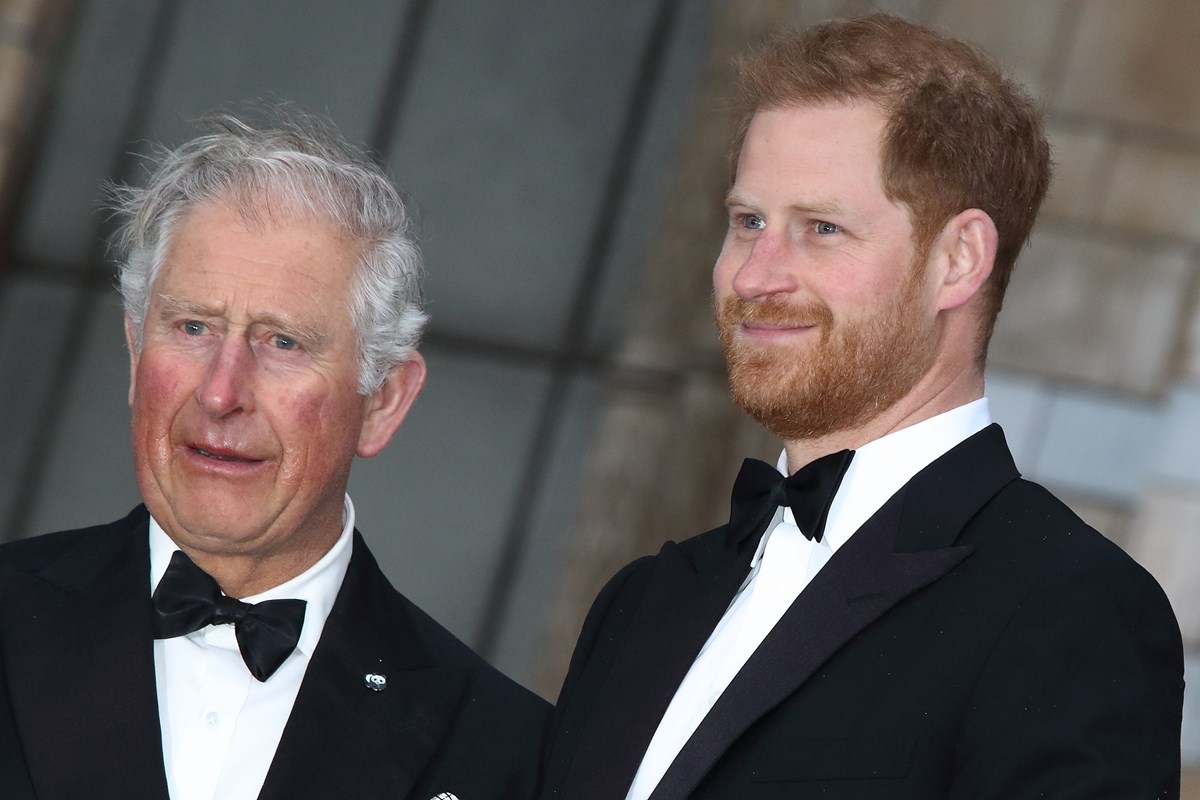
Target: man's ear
{"x": 965, "y": 251}
{"x": 131, "y": 343}
{"x": 388, "y": 407}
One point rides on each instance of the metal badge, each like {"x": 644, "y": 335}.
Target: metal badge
{"x": 374, "y": 682}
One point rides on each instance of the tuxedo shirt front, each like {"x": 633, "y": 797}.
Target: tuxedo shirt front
{"x": 221, "y": 726}
{"x": 784, "y": 564}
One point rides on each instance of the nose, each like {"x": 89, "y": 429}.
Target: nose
{"x": 763, "y": 269}
{"x": 227, "y": 387}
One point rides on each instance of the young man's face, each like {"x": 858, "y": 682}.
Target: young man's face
{"x": 819, "y": 294}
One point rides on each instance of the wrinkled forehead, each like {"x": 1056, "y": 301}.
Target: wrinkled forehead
{"x": 216, "y": 247}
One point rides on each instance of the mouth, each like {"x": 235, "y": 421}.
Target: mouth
{"x": 221, "y": 459}
{"x": 772, "y": 330}
{"x": 222, "y": 456}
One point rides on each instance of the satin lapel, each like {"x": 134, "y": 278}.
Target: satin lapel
{"x": 343, "y": 739}
{"x": 682, "y": 603}
{"x": 943, "y": 497}
{"x": 878, "y": 567}
{"x": 79, "y": 658}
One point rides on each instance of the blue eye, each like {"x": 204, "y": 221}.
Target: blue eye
{"x": 193, "y": 328}
{"x": 284, "y": 342}
{"x": 754, "y": 221}
{"x": 826, "y": 228}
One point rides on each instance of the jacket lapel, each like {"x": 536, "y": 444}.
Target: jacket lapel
{"x": 80, "y": 637}
{"x": 906, "y": 545}
{"x": 344, "y": 738}
{"x": 683, "y": 600}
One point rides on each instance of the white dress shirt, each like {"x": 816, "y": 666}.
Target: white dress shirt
{"x": 783, "y": 565}
{"x": 220, "y": 726}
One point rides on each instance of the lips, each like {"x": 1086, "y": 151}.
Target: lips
{"x": 222, "y": 456}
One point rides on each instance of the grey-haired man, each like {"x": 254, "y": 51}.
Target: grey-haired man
{"x": 233, "y": 637}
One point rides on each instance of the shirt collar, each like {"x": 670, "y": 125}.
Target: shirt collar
{"x": 318, "y": 585}
{"x": 881, "y": 467}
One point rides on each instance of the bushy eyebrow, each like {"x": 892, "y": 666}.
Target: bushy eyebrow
{"x": 734, "y": 199}
{"x": 171, "y": 306}
{"x": 831, "y": 209}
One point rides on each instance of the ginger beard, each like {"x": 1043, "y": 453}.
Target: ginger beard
{"x": 856, "y": 370}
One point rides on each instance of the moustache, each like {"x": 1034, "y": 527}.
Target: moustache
{"x": 775, "y": 310}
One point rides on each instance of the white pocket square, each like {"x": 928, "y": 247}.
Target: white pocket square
{"x": 445, "y": 796}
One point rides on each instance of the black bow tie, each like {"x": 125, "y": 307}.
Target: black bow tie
{"x": 759, "y": 490}
{"x": 187, "y": 599}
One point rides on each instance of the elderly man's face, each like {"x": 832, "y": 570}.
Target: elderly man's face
{"x": 245, "y": 410}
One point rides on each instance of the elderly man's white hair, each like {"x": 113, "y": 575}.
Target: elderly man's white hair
{"x": 291, "y": 166}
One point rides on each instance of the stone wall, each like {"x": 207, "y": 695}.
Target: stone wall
{"x": 29, "y": 33}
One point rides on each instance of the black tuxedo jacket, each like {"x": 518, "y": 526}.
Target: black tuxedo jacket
{"x": 974, "y": 639}
{"x": 79, "y": 710}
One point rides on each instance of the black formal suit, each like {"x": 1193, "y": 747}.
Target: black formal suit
{"x": 79, "y": 710}
{"x": 974, "y": 639}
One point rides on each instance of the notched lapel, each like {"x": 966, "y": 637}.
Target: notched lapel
{"x": 940, "y": 502}
{"x": 80, "y": 648}
{"x": 345, "y": 738}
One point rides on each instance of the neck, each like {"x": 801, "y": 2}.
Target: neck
{"x": 936, "y": 393}
{"x": 245, "y": 577}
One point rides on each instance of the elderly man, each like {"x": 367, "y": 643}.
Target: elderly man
{"x": 904, "y": 616}
{"x": 233, "y": 637}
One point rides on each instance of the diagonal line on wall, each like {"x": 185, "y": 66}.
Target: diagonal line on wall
{"x": 568, "y": 359}
{"x": 94, "y": 278}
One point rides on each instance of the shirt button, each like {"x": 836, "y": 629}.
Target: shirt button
{"x": 213, "y": 719}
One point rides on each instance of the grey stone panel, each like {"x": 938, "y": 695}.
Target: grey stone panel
{"x": 1021, "y": 405}
{"x": 16, "y": 62}
{"x": 85, "y": 130}
{"x": 1134, "y": 63}
{"x": 435, "y": 504}
{"x": 1083, "y": 163}
{"x": 34, "y": 317}
{"x": 509, "y": 135}
{"x": 18, "y": 16}
{"x": 330, "y": 57}
{"x": 642, "y": 212}
{"x": 1177, "y": 457}
{"x": 1098, "y": 445}
{"x": 89, "y": 476}
{"x": 1025, "y": 38}
{"x": 523, "y": 628}
{"x": 1154, "y": 190}
{"x": 1100, "y": 311}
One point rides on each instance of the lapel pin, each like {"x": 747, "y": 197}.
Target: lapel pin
{"x": 375, "y": 682}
